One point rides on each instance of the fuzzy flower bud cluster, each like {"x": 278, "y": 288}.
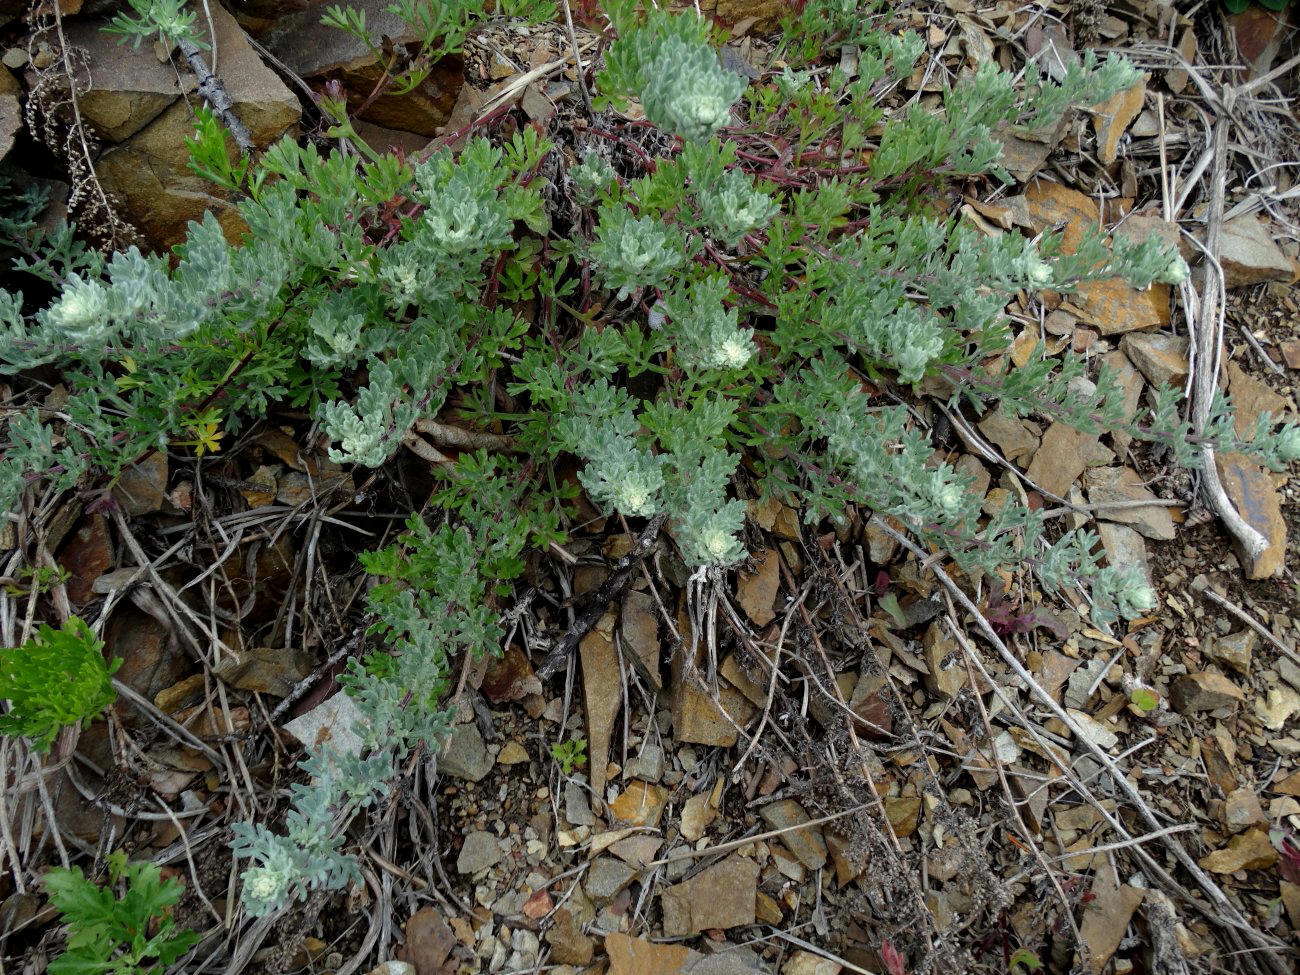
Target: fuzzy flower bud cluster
{"x": 1035, "y": 271}
{"x": 733, "y": 207}
{"x": 591, "y": 176}
{"x": 708, "y": 333}
{"x": 1175, "y": 272}
{"x": 81, "y": 312}
{"x": 688, "y": 91}
{"x": 636, "y": 252}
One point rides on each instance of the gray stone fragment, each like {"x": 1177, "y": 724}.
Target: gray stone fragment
{"x": 466, "y": 756}
{"x": 480, "y": 851}
{"x": 607, "y": 877}
{"x": 577, "y": 810}
{"x": 649, "y": 765}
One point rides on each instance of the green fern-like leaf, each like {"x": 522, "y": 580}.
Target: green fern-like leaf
{"x": 56, "y": 679}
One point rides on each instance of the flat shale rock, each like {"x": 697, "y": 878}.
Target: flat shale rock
{"x": 480, "y": 851}
{"x": 1251, "y": 850}
{"x": 805, "y": 842}
{"x": 1127, "y": 375}
{"x": 1250, "y": 400}
{"x": 1111, "y": 485}
{"x": 318, "y": 54}
{"x": 602, "y": 691}
{"x": 633, "y": 956}
{"x": 149, "y": 172}
{"x": 569, "y": 946}
{"x": 1162, "y": 359}
{"x": 1204, "y": 691}
{"x": 1010, "y": 435}
{"x": 1233, "y": 650}
{"x": 606, "y": 877}
{"x": 639, "y": 621}
{"x": 1252, "y": 493}
{"x": 465, "y": 755}
{"x": 129, "y": 87}
{"x": 720, "y": 897}
{"x": 1249, "y": 254}
{"x": 1111, "y": 305}
{"x": 1124, "y": 546}
{"x": 640, "y": 804}
{"x": 1061, "y": 458}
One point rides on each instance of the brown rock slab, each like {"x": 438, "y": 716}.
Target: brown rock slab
{"x": 1252, "y": 493}
{"x": 569, "y": 946}
{"x": 149, "y": 172}
{"x": 1113, "y": 116}
{"x": 129, "y": 87}
{"x": 1162, "y": 359}
{"x": 1204, "y": 691}
{"x": 633, "y": 956}
{"x": 720, "y": 897}
{"x": 640, "y": 625}
{"x": 1233, "y": 650}
{"x": 1251, "y": 850}
{"x": 1291, "y": 901}
{"x": 847, "y": 867}
{"x": 803, "y": 962}
{"x": 602, "y": 691}
{"x": 140, "y": 488}
{"x": 512, "y": 753}
{"x": 903, "y": 813}
{"x": 480, "y": 851}
{"x": 1177, "y": 78}
{"x": 86, "y": 555}
{"x": 943, "y": 658}
{"x": 640, "y": 804}
{"x": 1124, "y": 546}
{"x": 806, "y": 842}
{"x": 766, "y": 13}
{"x": 11, "y": 117}
{"x": 510, "y": 677}
{"x": 1022, "y": 155}
{"x": 1241, "y": 810}
{"x": 1110, "y": 485}
{"x": 1060, "y": 459}
{"x": 1109, "y": 305}
{"x": 465, "y": 756}
{"x": 1107, "y": 917}
{"x": 1128, "y": 377}
{"x": 1251, "y": 399}
{"x": 1009, "y": 435}
{"x": 756, "y": 591}
{"x": 1291, "y": 353}
{"x": 429, "y": 941}
{"x": 151, "y": 657}
{"x": 318, "y": 54}
{"x": 606, "y": 877}
{"x": 638, "y": 851}
{"x": 1250, "y": 255}
{"x": 265, "y": 670}
{"x": 697, "y": 814}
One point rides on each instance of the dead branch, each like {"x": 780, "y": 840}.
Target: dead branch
{"x": 213, "y": 91}
{"x": 608, "y": 591}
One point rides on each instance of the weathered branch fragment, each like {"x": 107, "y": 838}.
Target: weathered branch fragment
{"x": 608, "y": 591}
{"x": 214, "y": 93}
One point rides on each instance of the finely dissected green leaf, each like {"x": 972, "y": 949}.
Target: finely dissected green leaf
{"x": 56, "y": 679}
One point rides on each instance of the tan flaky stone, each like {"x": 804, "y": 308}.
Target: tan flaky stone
{"x": 1252, "y": 493}
{"x": 148, "y": 174}
{"x": 1111, "y": 305}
